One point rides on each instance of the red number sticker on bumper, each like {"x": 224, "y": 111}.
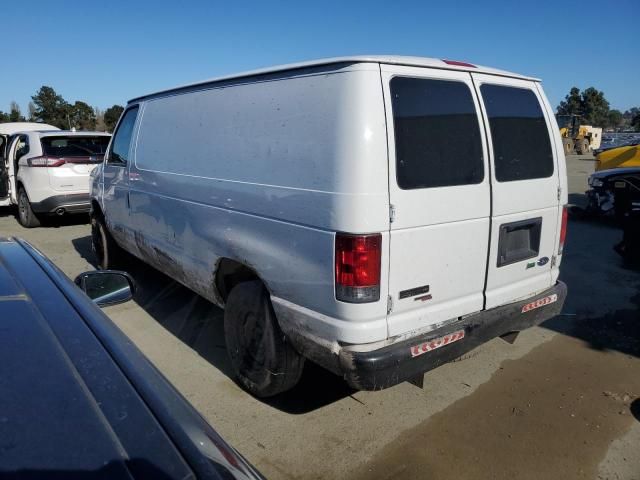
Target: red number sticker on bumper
{"x": 436, "y": 343}
{"x": 541, "y": 302}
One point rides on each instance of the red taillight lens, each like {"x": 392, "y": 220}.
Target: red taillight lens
{"x": 563, "y": 230}
{"x": 45, "y": 162}
{"x": 358, "y": 267}
{"x": 458, "y": 63}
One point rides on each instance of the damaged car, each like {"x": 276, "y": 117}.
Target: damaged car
{"x": 614, "y": 191}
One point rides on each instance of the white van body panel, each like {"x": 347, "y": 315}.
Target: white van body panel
{"x": 431, "y": 232}
{"x": 264, "y": 173}
{"x": 514, "y": 201}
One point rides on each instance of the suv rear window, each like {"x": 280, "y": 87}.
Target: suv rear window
{"x": 437, "y": 134}
{"x": 521, "y": 143}
{"x": 75, "y": 146}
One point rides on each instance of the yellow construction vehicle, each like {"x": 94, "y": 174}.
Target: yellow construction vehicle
{"x": 576, "y": 138}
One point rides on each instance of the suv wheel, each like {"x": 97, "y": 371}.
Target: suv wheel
{"x": 26, "y": 217}
{"x": 104, "y": 247}
{"x": 263, "y": 360}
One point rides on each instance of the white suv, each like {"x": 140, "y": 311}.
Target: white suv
{"x": 48, "y": 172}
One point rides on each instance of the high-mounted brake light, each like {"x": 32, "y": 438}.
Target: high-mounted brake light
{"x": 45, "y": 162}
{"x": 459, "y": 64}
{"x": 563, "y": 230}
{"x": 358, "y": 267}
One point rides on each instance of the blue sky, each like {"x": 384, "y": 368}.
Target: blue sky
{"x": 108, "y": 52}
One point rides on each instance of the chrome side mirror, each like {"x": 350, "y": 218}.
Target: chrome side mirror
{"x": 106, "y": 287}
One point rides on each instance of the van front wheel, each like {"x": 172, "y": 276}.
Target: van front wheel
{"x": 262, "y": 359}
{"x": 104, "y": 247}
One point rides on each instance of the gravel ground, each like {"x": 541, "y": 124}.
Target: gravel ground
{"x": 563, "y": 401}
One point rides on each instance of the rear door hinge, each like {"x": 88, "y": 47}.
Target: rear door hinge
{"x": 554, "y": 259}
{"x": 389, "y": 304}
{"x": 559, "y": 193}
{"x": 392, "y": 213}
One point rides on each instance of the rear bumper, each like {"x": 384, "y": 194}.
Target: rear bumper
{"x": 71, "y": 203}
{"x": 396, "y": 363}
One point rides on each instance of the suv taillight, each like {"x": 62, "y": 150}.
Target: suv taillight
{"x": 563, "y": 230}
{"x": 358, "y": 267}
{"x": 45, "y": 162}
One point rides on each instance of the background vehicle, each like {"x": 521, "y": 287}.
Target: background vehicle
{"x": 79, "y": 400}
{"x": 614, "y": 191}
{"x": 48, "y": 172}
{"x": 619, "y": 157}
{"x": 6, "y": 131}
{"x": 336, "y": 212}
{"x": 577, "y": 138}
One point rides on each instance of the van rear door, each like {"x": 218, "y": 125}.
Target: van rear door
{"x": 525, "y": 188}
{"x": 439, "y": 192}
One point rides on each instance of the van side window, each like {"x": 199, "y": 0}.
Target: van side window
{"x": 437, "y": 134}
{"x": 521, "y": 143}
{"x": 122, "y": 138}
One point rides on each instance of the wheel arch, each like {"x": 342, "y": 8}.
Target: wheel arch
{"x": 228, "y": 273}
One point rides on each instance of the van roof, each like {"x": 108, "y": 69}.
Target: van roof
{"x": 383, "y": 59}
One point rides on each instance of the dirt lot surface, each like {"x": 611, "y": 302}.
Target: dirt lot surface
{"x": 562, "y": 402}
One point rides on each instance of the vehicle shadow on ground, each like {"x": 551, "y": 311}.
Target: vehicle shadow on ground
{"x": 635, "y": 409}
{"x": 8, "y": 212}
{"x": 49, "y": 221}
{"x": 199, "y": 324}
{"x": 603, "y": 302}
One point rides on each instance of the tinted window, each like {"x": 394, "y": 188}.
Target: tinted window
{"x": 75, "y": 146}
{"x": 437, "y": 134}
{"x": 122, "y": 137}
{"x": 521, "y": 144}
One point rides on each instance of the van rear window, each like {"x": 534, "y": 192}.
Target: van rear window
{"x": 437, "y": 134}
{"x": 521, "y": 143}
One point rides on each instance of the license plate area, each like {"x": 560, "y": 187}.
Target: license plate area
{"x": 519, "y": 241}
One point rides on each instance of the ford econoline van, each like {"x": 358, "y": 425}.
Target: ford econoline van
{"x": 379, "y": 216}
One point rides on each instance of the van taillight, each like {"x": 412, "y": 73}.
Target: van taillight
{"x": 563, "y": 230}
{"x": 358, "y": 267}
{"x": 45, "y": 162}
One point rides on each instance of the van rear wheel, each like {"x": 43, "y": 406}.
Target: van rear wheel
{"x": 262, "y": 359}
{"x": 26, "y": 217}
{"x": 104, "y": 247}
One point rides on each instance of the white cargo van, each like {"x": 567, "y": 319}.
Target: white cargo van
{"x": 379, "y": 216}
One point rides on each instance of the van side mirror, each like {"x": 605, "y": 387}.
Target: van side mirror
{"x": 106, "y": 287}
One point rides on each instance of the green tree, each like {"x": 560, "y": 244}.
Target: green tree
{"x": 614, "y": 118}
{"x": 51, "y": 108}
{"x": 635, "y": 122}
{"x": 572, "y": 103}
{"x": 596, "y": 107}
{"x": 4, "y": 117}
{"x": 111, "y": 116}
{"x": 14, "y": 113}
{"x": 82, "y": 116}
{"x": 590, "y": 104}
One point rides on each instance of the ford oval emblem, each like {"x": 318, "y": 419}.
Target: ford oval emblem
{"x": 543, "y": 261}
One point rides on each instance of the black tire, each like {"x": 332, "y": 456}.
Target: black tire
{"x": 108, "y": 253}
{"x": 568, "y": 146}
{"x": 26, "y": 217}
{"x": 583, "y": 147}
{"x": 262, "y": 359}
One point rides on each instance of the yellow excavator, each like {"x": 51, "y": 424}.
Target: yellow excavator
{"x": 577, "y": 138}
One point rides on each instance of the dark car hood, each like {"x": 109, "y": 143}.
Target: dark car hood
{"x": 78, "y": 400}
{"x": 613, "y": 172}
